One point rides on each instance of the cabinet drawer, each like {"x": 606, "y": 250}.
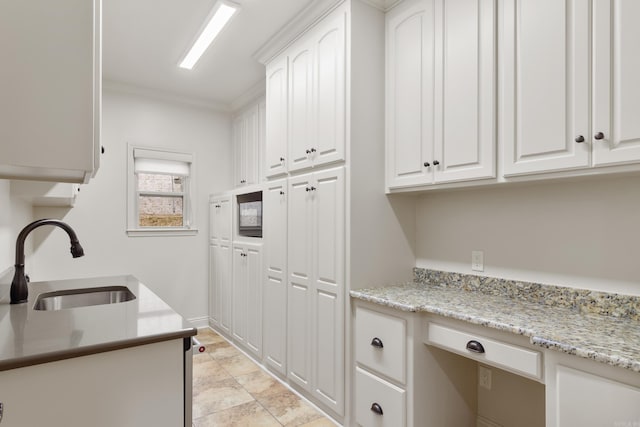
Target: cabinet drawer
{"x": 507, "y": 356}
{"x": 380, "y": 342}
{"x": 378, "y": 403}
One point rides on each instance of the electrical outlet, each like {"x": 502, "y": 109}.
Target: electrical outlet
{"x": 477, "y": 260}
{"x": 484, "y": 377}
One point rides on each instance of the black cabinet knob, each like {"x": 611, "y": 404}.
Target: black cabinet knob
{"x": 377, "y": 342}
{"x": 102, "y": 149}
{"x": 282, "y": 159}
{"x": 313, "y": 188}
{"x": 579, "y": 138}
{"x": 376, "y": 408}
{"x": 436, "y": 163}
{"x": 598, "y": 136}
{"x": 307, "y": 189}
{"x": 475, "y": 347}
{"x": 313, "y": 150}
{"x": 427, "y": 164}
{"x": 308, "y": 151}
{"x": 282, "y": 193}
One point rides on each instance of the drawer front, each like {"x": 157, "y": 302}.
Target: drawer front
{"x": 380, "y": 342}
{"x": 507, "y": 356}
{"x": 378, "y": 403}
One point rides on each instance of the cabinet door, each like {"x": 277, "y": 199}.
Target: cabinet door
{"x": 329, "y": 91}
{"x": 410, "y": 94}
{"x": 239, "y": 292}
{"x": 299, "y": 271}
{"x": 328, "y": 287}
{"x": 545, "y": 85}
{"x": 220, "y": 224}
{"x": 586, "y": 400}
{"x": 251, "y": 145}
{"x": 253, "y": 295}
{"x": 275, "y": 288}
{"x": 616, "y": 82}
{"x": 300, "y": 106}
{"x": 220, "y": 295}
{"x": 239, "y": 150}
{"x": 276, "y": 117}
{"x": 50, "y": 94}
{"x": 465, "y": 110}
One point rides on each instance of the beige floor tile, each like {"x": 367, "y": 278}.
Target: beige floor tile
{"x": 320, "y": 422}
{"x": 206, "y": 375}
{"x": 201, "y": 358}
{"x": 289, "y": 409}
{"x": 207, "y": 336}
{"x": 248, "y": 414}
{"x": 222, "y": 350}
{"x": 221, "y": 395}
{"x": 260, "y": 384}
{"x": 238, "y": 365}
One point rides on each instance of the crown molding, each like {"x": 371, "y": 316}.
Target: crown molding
{"x": 293, "y": 29}
{"x": 255, "y": 92}
{"x": 129, "y": 89}
{"x": 383, "y": 5}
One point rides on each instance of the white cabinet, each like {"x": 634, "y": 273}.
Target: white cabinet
{"x": 51, "y": 90}
{"x": 220, "y": 280}
{"x": 440, "y": 105}
{"x": 316, "y": 272}
{"x": 137, "y": 386}
{"x": 248, "y": 142}
{"x": 276, "y": 117}
{"x": 247, "y": 296}
{"x": 306, "y": 100}
{"x": 581, "y": 392}
{"x": 569, "y": 94}
{"x": 274, "y": 291}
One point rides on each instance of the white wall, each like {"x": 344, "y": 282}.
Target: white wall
{"x": 176, "y": 268}
{"x": 14, "y": 214}
{"x": 582, "y": 234}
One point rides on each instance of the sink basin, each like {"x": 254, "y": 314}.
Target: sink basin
{"x": 71, "y": 298}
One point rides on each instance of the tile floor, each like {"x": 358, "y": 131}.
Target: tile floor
{"x": 229, "y": 389}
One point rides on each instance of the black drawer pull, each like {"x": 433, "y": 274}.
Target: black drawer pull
{"x": 376, "y": 408}
{"x": 475, "y": 347}
{"x": 377, "y": 342}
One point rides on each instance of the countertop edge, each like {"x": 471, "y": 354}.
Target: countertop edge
{"x": 94, "y": 349}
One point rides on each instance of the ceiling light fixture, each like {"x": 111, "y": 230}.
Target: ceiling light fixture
{"x": 222, "y": 12}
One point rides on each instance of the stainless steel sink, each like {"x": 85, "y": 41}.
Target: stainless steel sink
{"x": 60, "y": 300}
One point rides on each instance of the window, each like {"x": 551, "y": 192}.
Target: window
{"x": 160, "y": 185}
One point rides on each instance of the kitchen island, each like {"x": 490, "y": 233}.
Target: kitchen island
{"x": 122, "y": 363}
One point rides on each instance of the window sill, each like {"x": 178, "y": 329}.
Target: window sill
{"x": 154, "y": 232}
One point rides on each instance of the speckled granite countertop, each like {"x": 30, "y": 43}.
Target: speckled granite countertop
{"x": 594, "y": 325}
{"x": 29, "y": 337}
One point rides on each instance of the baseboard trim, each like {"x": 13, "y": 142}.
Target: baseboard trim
{"x": 486, "y": 422}
{"x": 199, "y": 322}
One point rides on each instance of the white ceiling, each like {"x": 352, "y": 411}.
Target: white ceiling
{"x": 143, "y": 40}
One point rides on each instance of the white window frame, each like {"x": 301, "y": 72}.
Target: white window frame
{"x": 189, "y": 208}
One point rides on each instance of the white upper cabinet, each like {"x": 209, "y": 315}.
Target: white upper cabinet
{"x": 300, "y": 105}
{"x": 306, "y": 102}
{"x": 616, "y": 82}
{"x": 329, "y": 91}
{"x": 545, "y": 85}
{"x": 248, "y": 142}
{"x": 50, "y": 86}
{"x": 571, "y": 93}
{"x": 440, "y": 92}
{"x": 276, "y": 122}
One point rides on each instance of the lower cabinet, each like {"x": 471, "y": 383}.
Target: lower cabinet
{"x": 590, "y": 394}
{"x": 132, "y": 387}
{"x": 220, "y": 285}
{"x": 247, "y": 296}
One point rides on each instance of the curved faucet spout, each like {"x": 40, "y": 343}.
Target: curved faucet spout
{"x": 19, "y": 290}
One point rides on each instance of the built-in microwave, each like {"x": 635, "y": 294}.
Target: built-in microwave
{"x": 250, "y": 214}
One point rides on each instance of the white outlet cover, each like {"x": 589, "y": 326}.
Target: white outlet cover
{"x": 477, "y": 260}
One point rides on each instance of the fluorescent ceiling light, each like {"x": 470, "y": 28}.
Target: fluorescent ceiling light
{"x": 220, "y": 18}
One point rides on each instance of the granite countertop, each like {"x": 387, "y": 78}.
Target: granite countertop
{"x": 552, "y": 321}
{"x": 29, "y": 337}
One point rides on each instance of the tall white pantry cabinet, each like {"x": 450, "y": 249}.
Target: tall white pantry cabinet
{"x": 328, "y": 225}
